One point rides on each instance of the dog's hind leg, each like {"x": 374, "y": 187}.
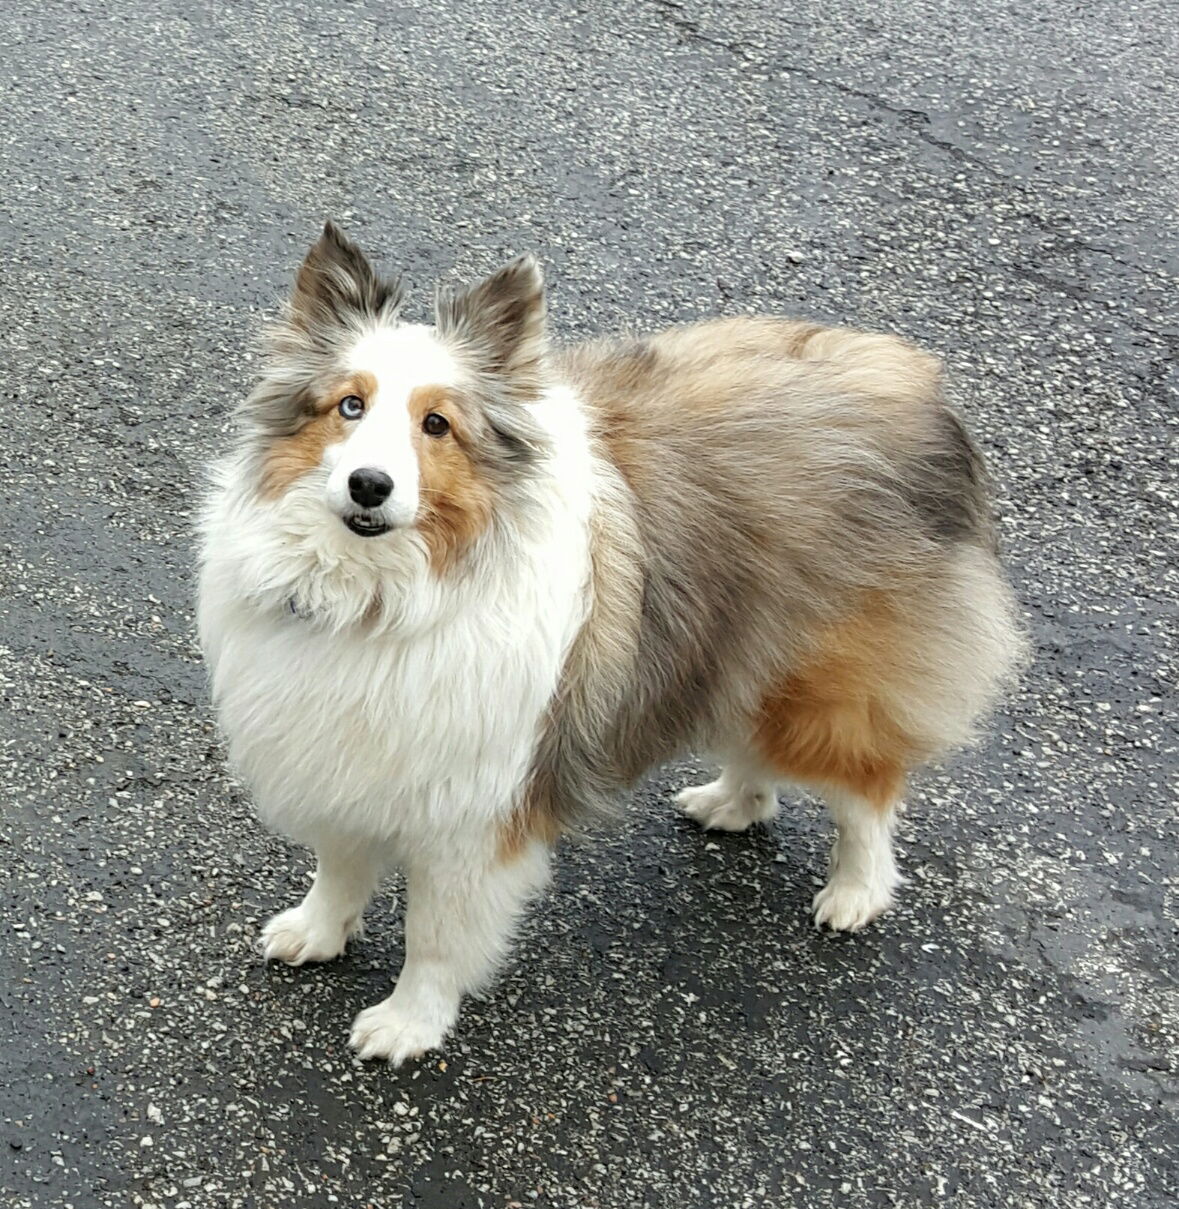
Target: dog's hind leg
{"x": 742, "y": 795}
{"x": 857, "y": 763}
{"x": 862, "y": 875}
{"x": 833, "y": 726}
{"x": 319, "y": 927}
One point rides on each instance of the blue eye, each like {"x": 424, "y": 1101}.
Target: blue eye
{"x": 351, "y": 407}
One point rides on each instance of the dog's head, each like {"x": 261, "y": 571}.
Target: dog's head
{"x": 401, "y": 429}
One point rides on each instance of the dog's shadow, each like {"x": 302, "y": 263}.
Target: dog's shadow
{"x": 652, "y": 939}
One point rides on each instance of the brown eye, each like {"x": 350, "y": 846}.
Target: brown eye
{"x": 351, "y": 407}
{"x": 435, "y": 425}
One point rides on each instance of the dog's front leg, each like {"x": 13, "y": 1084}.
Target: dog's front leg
{"x": 346, "y": 873}
{"x": 460, "y": 916}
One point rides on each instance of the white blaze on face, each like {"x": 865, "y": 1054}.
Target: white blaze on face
{"x": 400, "y": 359}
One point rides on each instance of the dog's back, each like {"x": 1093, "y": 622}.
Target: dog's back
{"x": 816, "y": 410}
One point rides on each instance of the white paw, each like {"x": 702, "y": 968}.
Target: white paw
{"x": 297, "y": 936}
{"x": 390, "y": 1032}
{"x": 845, "y": 905}
{"x": 715, "y": 808}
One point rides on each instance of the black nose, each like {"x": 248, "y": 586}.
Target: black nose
{"x": 369, "y": 488}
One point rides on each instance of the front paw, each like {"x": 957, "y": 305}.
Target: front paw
{"x": 716, "y": 808}
{"x": 299, "y": 935}
{"x": 397, "y": 1032}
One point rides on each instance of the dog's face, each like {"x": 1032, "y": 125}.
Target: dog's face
{"x": 401, "y": 428}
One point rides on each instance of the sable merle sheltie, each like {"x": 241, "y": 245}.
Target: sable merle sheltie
{"x": 460, "y": 589}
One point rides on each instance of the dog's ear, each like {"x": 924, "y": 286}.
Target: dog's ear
{"x": 336, "y": 284}
{"x": 500, "y": 325}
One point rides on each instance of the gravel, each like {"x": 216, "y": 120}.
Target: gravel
{"x": 996, "y": 181}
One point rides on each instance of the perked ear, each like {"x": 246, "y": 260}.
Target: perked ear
{"x": 500, "y": 325}
{"x": 336, "y": 284}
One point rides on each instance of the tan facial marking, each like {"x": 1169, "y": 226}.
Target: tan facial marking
{"x": 289, "y": 458}
{"x": 455, "y": 500}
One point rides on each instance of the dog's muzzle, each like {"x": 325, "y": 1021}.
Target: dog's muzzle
{"x": 367, "y": 524}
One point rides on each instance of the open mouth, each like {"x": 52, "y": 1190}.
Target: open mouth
{"x": 365, "y": 526}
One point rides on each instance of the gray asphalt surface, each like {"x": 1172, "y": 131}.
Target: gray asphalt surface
{"x": 996, "y": 180}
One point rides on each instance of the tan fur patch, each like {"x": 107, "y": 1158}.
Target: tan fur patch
{"x": 532, "y": 822}
{"x": 291, "y": 457}
{"x": 829, "y": 723}
{"x": 456, "y": 500}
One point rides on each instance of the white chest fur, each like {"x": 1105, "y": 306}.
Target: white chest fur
{"x": 376, "y": 735}
{"x": 408, "y": 732}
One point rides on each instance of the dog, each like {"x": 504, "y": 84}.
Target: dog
{"x": 459, "y": 590}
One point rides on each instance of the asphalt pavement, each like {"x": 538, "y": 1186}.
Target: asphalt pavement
{"x": 995, "y": 180}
